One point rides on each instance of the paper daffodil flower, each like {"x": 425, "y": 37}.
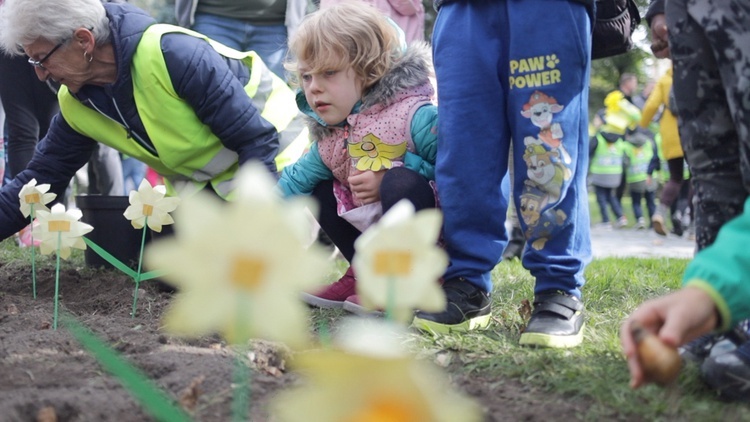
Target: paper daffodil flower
{"x": 38, "y": 196}
{"x": 375, "y": 155}
{"x": 398, "y": 262}
{"x": 150, "y": 202}
{"x": 371, "y": 384}
{"x": 239, "y": 266}
{"x": 62, "y": 225}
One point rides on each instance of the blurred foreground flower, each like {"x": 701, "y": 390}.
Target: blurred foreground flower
{"x": 60, "y": 229}
{"x": 370, "y": 377}
{"x": 398, "y": 262}
{"x": 239, "y": 267}
{"x": 149, "y": 206}
{"x": 34, "y": 196}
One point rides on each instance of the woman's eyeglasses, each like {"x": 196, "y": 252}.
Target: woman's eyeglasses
{"x": 39, "y": 63}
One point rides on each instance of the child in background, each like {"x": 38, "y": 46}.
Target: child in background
{"x": 607, "y": 152}
{"x": 133, "y": 171}
{"x": 372, "y": 124}
{"x": 408, "y": 15}
{"x": 641, "y": 160}
{"x": 662, "y": 98}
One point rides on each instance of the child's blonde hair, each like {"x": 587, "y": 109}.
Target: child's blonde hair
{"x": 348, "y": 34}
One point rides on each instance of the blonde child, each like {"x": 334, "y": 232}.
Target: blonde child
{"x": 373, "y": 126}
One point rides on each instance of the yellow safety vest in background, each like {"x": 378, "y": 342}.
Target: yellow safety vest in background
{"x": 190, "y": 155}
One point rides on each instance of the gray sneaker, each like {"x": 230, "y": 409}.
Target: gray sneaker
{"x": 729, "y": 373}
{"x": 698, "y": 350}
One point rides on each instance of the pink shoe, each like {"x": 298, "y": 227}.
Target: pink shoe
{"x": 333, "y": 295}
{"x": 351, "y": 304}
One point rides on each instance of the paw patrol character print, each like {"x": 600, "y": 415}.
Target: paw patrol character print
{"x": 533, "y": 200}
{"x": 540, "y": 223}
{"x": 544, "y": 169}
{"x": 540, "y": 109}
{"x": 542, "y": 232}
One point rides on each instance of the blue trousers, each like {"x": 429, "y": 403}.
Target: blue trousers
{"x": 514, "y": 71}
{"x": 607, "y": 198}
{"x": 638, "y": 197}
{"x": 269, "y": 41}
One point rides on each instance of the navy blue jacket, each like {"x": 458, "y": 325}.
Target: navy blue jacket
{"x": 200, "y": 76}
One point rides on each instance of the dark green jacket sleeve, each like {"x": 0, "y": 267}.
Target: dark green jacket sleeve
{"x": 723, "y": 270}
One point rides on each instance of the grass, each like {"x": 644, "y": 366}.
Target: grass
{"x": 594, "y": 372}
{"x": 11, "y": 254}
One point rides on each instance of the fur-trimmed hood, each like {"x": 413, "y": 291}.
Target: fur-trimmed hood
{"x": 412, "y": 69}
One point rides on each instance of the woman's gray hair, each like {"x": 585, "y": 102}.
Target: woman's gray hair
{"x": 24, "y": 21}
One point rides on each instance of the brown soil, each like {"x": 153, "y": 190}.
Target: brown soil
{"x": 46, "y": 374}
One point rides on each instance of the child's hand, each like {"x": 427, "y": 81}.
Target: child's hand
{"x": 675, "y": 318}
{"x": 365, "y": 186}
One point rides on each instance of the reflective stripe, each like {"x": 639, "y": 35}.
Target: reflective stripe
{"x": 221, "y": 162}
{"x": 293, "y": 142}
{"x": 224, "y": 189}
{"x": 290, "y": 134}
{"x": 607, "y": 158}
{"x": 264, "y": 89}
{"x": 178, "y": 186}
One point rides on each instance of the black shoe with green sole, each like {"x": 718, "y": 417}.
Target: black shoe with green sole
{"x": 468, "y": 309}
{"x": 556, "y": 321}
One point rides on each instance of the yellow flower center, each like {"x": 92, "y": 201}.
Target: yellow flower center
{"x": 32, "y": 198}
{"x": 247, "y": 273}
{"x": 387, "y": 409}
{"x": 59, "y": 226}
{"x": 390, "y": 263}
{"x": 148, "y": 210}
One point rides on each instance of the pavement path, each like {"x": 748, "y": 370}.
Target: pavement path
{"x": 639, "y": 243}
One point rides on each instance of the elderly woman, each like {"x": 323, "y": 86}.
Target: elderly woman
{"x": 191, "y": 109}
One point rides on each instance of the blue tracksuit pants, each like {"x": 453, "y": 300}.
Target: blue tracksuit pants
{"x": 514, "y": 71}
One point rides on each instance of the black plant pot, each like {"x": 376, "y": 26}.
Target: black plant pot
{"x": 112, "y": 231}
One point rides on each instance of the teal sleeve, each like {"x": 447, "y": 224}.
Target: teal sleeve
{"x": 725, "y": 267}
{"x": 424, "y": 135}
{"x": 301, "y": 177}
